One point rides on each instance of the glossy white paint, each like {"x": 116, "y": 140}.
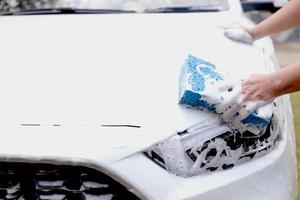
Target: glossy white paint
{"x": 81, "y": 71}
{"x": 269, "y": 177}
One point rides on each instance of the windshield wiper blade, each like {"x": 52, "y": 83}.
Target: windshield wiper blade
{"x": 47, "y": 11}
{"x": 102, "y": 11}
{"x": 181, "y": 10}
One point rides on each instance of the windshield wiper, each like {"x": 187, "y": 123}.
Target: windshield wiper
{"x": 47, "y": 11}
{"x": 181, "y": 10}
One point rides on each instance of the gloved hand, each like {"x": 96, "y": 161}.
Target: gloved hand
{"x": 239, "y": 34}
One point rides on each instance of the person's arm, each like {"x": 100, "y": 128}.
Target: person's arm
{"x": 287, "y": 17}
{"x": 267, "y": 86}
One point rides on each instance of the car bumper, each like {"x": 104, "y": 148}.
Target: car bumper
{"x": 272, "y": 176}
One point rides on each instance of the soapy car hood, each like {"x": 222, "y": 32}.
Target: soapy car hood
{"x": 63, "y": 77}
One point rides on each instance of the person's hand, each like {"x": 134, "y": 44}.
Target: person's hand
{"x": 239, "y": 34}
{"x": 230, "y": 103}
{"x": 259, "y": 87}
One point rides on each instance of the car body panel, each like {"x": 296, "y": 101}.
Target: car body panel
{"x": 105, "y": 79}
{"x": 71, "y": 77}
{"x": 269, "y": 177}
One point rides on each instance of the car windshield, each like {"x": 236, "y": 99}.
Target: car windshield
{"x": 17, "y": 6}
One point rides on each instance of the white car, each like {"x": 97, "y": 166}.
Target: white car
{"x": 89, "y": 88}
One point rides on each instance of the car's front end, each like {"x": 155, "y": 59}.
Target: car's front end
{"x": 85, "y": 98}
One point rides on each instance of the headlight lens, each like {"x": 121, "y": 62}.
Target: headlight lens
{"x": 211, "y": 148}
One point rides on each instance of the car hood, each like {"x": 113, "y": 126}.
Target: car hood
{"x": 63, "y": 77}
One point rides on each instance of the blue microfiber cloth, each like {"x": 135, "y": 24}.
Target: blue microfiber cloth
{"x": 204, "y": 86}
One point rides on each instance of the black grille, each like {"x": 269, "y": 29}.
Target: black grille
{"x": 58, "y": 182}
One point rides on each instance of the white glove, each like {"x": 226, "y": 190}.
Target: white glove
{"x": 239, "y": 34}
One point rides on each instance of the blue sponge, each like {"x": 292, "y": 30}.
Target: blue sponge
{"x": 196, "y": 76}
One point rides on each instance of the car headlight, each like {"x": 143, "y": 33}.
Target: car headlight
{"x": 212, "y": 148}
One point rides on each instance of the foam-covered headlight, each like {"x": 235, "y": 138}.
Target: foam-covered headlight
{"x": 211, "y": 148}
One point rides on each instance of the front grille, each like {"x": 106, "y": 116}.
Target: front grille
{"x": 26, "y": 181}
